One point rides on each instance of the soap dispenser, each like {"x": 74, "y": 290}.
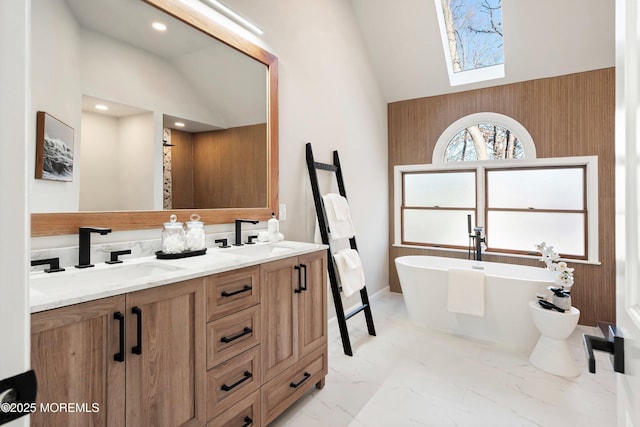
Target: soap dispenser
{"x": 273, "y": 228}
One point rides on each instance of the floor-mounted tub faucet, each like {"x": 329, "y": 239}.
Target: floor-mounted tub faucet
{"x": 479, "y": 241}
{"x": 239, "y": 229}
{"x": 84, "y": 248}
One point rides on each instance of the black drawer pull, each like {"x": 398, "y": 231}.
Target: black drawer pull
{"x": 247, "y": 421}
{"x": 245, "y": 331}
{"x": 119, "y": 356}
{"x": 245, "y": 288}
{"x": 246, "y": 376}
{"x": 307, "y": 375}
{"x": 137, "y": 349}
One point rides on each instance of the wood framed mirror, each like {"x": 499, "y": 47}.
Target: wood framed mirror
{"x": 66, "y": 221}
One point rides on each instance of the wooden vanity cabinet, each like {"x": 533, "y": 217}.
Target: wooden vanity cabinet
{"x": 294, "y": 330}
{"x": 230, "y": 349}
{"x": 74, "y": 351}
{"x": 72, "y": 354}
{"x": 165, "y": 385}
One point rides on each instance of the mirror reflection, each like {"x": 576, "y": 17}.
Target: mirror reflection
{"x": 164, "y": 119}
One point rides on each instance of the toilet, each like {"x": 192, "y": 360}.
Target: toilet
{"x": 551, "y": 353}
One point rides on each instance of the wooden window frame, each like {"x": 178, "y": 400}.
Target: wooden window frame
{"x": 404, "y": 207}
{"x": 582, "y": 211}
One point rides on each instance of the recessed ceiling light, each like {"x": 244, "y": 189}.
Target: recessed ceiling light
{"x": 179, "y": 124}
{"x": 159, "y": 26}
{"x": 101, "y": 107}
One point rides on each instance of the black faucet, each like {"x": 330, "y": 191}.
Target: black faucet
{"x": 84, "y": 249}
{"x": 53, "y": 263}
{"x": 239, "y": 229}
{"x": 479, "y": 240}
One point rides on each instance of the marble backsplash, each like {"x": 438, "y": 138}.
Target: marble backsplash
{"x": 101, "y": 252}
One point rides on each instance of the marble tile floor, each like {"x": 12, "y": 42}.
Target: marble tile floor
{"x": 413, "y": 376}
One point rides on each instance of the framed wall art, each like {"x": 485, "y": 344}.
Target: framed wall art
{"x": 54, "y": 149}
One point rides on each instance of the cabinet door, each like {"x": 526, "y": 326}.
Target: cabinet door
{"x": 166, "y": 380}
{"x": 72, "y": 353}
{"x": 279, "y": 307}
{"x": 312, "y": 304}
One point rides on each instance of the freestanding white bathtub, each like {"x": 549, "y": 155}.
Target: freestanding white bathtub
{"x": 508, "y": 290}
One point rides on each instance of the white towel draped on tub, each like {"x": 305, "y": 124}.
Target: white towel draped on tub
{"x": 350, "y": 270}
{"x": 338, "y": 216}
{"x": 466, "y": 292}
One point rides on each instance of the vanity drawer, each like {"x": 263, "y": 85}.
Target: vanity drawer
{"x": 244, "y": 413}
{"x": 233, "y": 334}
{"x": 232, "y": 381}
{"x": 279, "y": 393}
{"x": 232, "y": 291}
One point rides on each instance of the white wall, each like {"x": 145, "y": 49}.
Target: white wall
{"x": 117, "y": 162}
{"x": 137, "y": 149}
{"x": 99, "y": 189}
{"x": 56, "y": 89}
{"x": 16, "y": 123}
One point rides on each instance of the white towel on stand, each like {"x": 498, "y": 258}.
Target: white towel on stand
{"x": 338, "y": 216}
{"x": 466, "y": 292}
{"x": 350, "y": 270}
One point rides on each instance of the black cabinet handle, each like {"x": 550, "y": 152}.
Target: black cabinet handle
{"x": 299, "y": 288}
{"x": 137, "y": 349}
{"x": 304, "y": 267}
{"x": 119, "y": 356}
{"x": 245, "y": 331}
{"x": 247, "y": 421}
{"x": 245, "y": 377}
{"x": 307, "y": 375}
{"x": 245, "y": 288}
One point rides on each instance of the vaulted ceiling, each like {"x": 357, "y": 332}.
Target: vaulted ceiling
{"x": 542, "y": 38}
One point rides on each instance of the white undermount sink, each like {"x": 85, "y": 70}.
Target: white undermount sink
{"x": 101, "y": 273}
{"x": 262, "y": 250}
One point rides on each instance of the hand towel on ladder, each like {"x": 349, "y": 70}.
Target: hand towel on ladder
{"x": 466, "y": 292}
{"x": 338, "y": 216}
{"x": 350, "y": 271}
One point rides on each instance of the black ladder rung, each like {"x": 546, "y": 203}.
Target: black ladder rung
{"x": 325, "y": 166}
{"x": 355, "y": 311}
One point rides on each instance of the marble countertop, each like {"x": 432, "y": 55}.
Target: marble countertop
{"x": 73, "y": 286}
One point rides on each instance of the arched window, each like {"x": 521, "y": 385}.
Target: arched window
{"x": 484, "y": 136}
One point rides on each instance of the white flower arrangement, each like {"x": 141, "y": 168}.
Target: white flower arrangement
{"x": 564, "y": 274}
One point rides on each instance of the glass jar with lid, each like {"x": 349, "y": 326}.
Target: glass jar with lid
{"x": 173, "y": 236}
{"x": 194, "y": 235}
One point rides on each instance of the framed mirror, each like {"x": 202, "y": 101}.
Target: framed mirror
{"x": 191, "y": 125}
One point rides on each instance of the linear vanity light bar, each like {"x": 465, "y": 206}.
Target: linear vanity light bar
{"x": 232, "y": 15}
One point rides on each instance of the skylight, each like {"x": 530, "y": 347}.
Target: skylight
{"x": 472, "y": 39}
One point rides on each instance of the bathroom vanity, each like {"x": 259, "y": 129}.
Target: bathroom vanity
{"x": 228, "y": 338}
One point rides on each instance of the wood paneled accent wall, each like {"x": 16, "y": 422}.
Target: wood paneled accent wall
{"x": 222, "y": 178}
{"x": 209, "y": 169}
{"x": 571, "y": 115}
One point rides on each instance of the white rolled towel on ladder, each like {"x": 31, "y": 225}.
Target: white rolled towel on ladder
{"x": 350, "y": 271}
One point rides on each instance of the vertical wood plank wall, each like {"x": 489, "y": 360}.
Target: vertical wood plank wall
{"x": 571, "y": 115}
{"x": 230, "y": 168}
{"x": 220, "y": 169}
